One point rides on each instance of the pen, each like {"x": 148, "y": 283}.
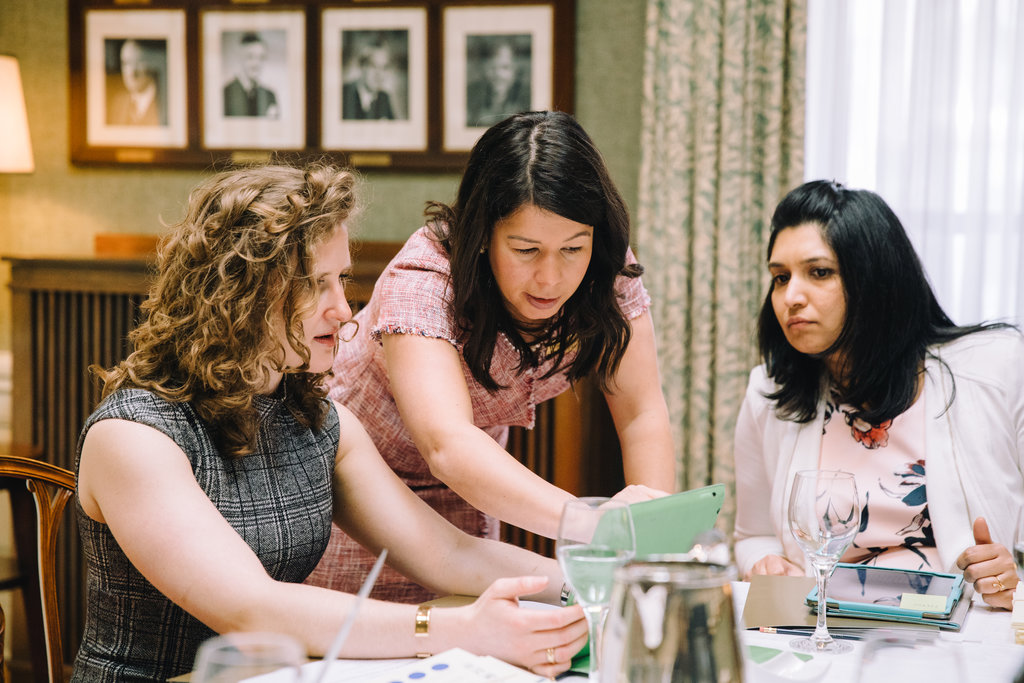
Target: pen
{"x": 804, "y": 632}
{"x": 346, "y": 626}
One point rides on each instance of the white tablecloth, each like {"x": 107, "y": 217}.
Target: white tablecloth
{"x": 985, "y": 643}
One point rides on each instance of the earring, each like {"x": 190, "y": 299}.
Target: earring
{"x": 483, "y": 249}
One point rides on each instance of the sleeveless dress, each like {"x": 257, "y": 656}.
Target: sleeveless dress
{"x": 411, "y": 297}
{"x": 278, "y": 499}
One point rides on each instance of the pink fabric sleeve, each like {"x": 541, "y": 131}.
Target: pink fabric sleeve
{"x": 414, "y": 294}
{"x": 633, "y": 297}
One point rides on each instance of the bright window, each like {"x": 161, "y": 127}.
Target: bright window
{"x": 922, "y": 101}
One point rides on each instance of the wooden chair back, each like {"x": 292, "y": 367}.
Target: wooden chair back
{"x": 39, "y": 492}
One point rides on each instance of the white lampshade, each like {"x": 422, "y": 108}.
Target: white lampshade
{"x": 15, "y": 144}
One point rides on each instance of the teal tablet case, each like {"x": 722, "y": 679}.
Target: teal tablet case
{"x": 895, "y": 582}
{"x": 668, "y": 525}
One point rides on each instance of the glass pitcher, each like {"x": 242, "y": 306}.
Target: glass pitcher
{"x": 671, "y": 619}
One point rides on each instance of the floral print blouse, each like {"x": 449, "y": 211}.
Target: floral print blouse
{"x": 889, "y": 463}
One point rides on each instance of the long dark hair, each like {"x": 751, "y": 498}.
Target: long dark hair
{"x": 545, "y": 159}
{"x": 892, "y": 315}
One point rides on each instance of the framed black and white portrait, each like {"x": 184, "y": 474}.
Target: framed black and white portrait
{"x": 407, "y": 85}
{"x": 374, "y": 79}
{"x": 135, "y": 78}
{"x": 498, "y": 60}
{"x": 253, "y": 75}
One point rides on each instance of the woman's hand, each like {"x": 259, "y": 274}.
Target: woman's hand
{"x": 637, "y": 493}
{"x": 989, "y": 566}
{"x": 541, "y": 640}
{"x": 774, "y": 565}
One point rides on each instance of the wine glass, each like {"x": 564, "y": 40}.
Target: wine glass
{"x": 595, "y": 536}
{"x": 235, "y": 657}
{"x": 824, "y": 516}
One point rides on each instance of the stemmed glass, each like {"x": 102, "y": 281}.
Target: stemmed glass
{"x": 237, "y": 656}
{"x": 824, "y": 516}
{"x": 595, "y": 536}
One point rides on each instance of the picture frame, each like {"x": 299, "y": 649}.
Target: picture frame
{"x": 498, "y": 60}
{"x": 374, "y": 78}
{"x": 304, "y": 53}
{"x": 253, "y": 79}
{"x": 135, "y": 78}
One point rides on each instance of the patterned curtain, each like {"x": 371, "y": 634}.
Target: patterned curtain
{"x": 722, "y": 142}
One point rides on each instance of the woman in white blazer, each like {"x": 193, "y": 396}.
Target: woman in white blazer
{"x": 865, "y": 372}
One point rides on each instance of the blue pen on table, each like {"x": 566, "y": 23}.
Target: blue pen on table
{"x": 346, "y": 626}
{"x": 804, "y": 632}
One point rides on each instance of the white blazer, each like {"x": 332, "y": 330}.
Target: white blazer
{"x": 974, "y": 451}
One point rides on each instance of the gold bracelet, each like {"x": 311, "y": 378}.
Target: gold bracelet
{"x": 423, "y": 626}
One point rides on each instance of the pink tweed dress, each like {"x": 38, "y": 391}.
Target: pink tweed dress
{"x": 411, "y": 297}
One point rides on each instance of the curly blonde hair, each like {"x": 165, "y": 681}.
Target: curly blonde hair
{"x": 242, "y": 257}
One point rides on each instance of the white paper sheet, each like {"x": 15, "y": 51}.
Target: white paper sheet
{"x": 452, "y": 666}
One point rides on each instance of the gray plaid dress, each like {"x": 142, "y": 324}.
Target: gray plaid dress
{"x": 278, "y": 499}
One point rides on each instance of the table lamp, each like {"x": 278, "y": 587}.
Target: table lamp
{"x": 15, "y": 145}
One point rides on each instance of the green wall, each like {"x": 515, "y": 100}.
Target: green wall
{"x": 60, "y": 208}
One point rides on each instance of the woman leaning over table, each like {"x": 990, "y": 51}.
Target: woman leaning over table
{"x": 209, "y": 475}
{"x": 866, "y": 373}
{"x": 522, "y": 287}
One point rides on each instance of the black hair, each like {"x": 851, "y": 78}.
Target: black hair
{"x": 547, "y": 160}
{"x": 251, "y": 37}
{"x": 892, "y": 315}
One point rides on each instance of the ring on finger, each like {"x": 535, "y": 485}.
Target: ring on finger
{"x": 551, "y": 655}
{"x": 998, "y": 584}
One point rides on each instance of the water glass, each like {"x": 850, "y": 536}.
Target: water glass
{"x": 234, "y": 657}
{"x": 595, "y": 537}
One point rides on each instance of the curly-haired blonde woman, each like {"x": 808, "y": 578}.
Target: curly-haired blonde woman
{"x": 210, "y": 474}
